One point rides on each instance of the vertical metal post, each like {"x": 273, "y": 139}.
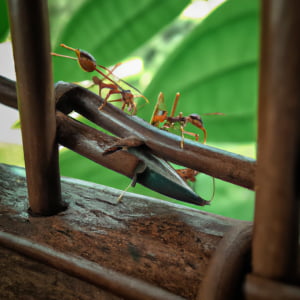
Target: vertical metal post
{"x": 31, "y": 47}
{"x": 275, "y": 240}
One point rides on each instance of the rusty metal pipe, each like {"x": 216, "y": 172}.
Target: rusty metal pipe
{"x": 31, "y": 48}
{"x": 276, "y": 232}
{"x": 215, "y": 162}
{"x": 91, "y": 143}
{"x": 124, "y": 286}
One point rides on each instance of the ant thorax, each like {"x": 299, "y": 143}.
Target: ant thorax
{"x": 178, "y": 119}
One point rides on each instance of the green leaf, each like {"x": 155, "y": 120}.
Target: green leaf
{"x": 111, "y": 30}
{"x": 16, "y": 125}
{"x": 216, "y": 70}
{"x": 11, "y": 154}
{"x": 4, "y": 25}
{"x": 60, "y": 12}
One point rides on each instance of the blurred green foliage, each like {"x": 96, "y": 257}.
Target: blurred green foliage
{"x": 4, "y": 25}
{"x": 213, "y": 63}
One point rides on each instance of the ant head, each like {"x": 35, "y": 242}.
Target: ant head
{"x": 86, "y": 61}
{"x": 127, "y": 96}
{"x": 195, "y": 120}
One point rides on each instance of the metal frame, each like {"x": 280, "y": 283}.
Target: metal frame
{"x": 31, "y": 48}
{"x": 275, "y": 237}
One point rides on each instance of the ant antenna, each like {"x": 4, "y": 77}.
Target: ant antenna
{"x": 175, "y": 104}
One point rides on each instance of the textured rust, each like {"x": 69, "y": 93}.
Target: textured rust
{"x": 121, "y": 285}
{"x": 161, "y": 243}
{"x": 25, "y": 278}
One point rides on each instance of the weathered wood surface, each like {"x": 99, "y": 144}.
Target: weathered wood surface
{"x": 161, "y": 243}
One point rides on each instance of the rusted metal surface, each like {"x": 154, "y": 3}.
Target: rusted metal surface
{"x": 25, "y": 278}
{"x": 215, "y": 162}
{"x": 275, "y": 242}
{"x": 112, "y": 281}
{"x": 229, "y": 265}
{"x": 30, "y": 37}
{"x": 164, "y": 244}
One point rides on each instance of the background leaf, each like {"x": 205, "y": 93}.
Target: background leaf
{"x": 111, "y": 30}
{"x": 4, "y": 25}
{"x": 215, "y": 70}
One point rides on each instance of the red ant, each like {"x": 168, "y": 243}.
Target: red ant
{"x": 88, "y": 63}
{"x": 187, "y": 174}
{"x": 190, "y": 175}
{"x": 126, "y": 96}
{"x": 160, "y": 115}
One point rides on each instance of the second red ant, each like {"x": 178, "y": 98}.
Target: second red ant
{"x": 160, "y": 115}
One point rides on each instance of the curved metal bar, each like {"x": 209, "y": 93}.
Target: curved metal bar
{"x": 119, "y": 284}
{"x": 215, "y": 162}
{"x": 155, "y": 173}
{"x": 212, "y": 161}
{"x": 229, "y": 265}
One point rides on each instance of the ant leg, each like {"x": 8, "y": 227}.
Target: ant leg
{"x": 182, "y": 137}
{"x": 174, "y": 106}
{"x": 134, "y": 108}
{"x": 110, "y": 71}
{"x": 141, "y": 96}
{"x": 102, "y": 85}
{"x": 105, "y": 101}
{"x": 195, "y": 135}
{"x": 141, "y": 167}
